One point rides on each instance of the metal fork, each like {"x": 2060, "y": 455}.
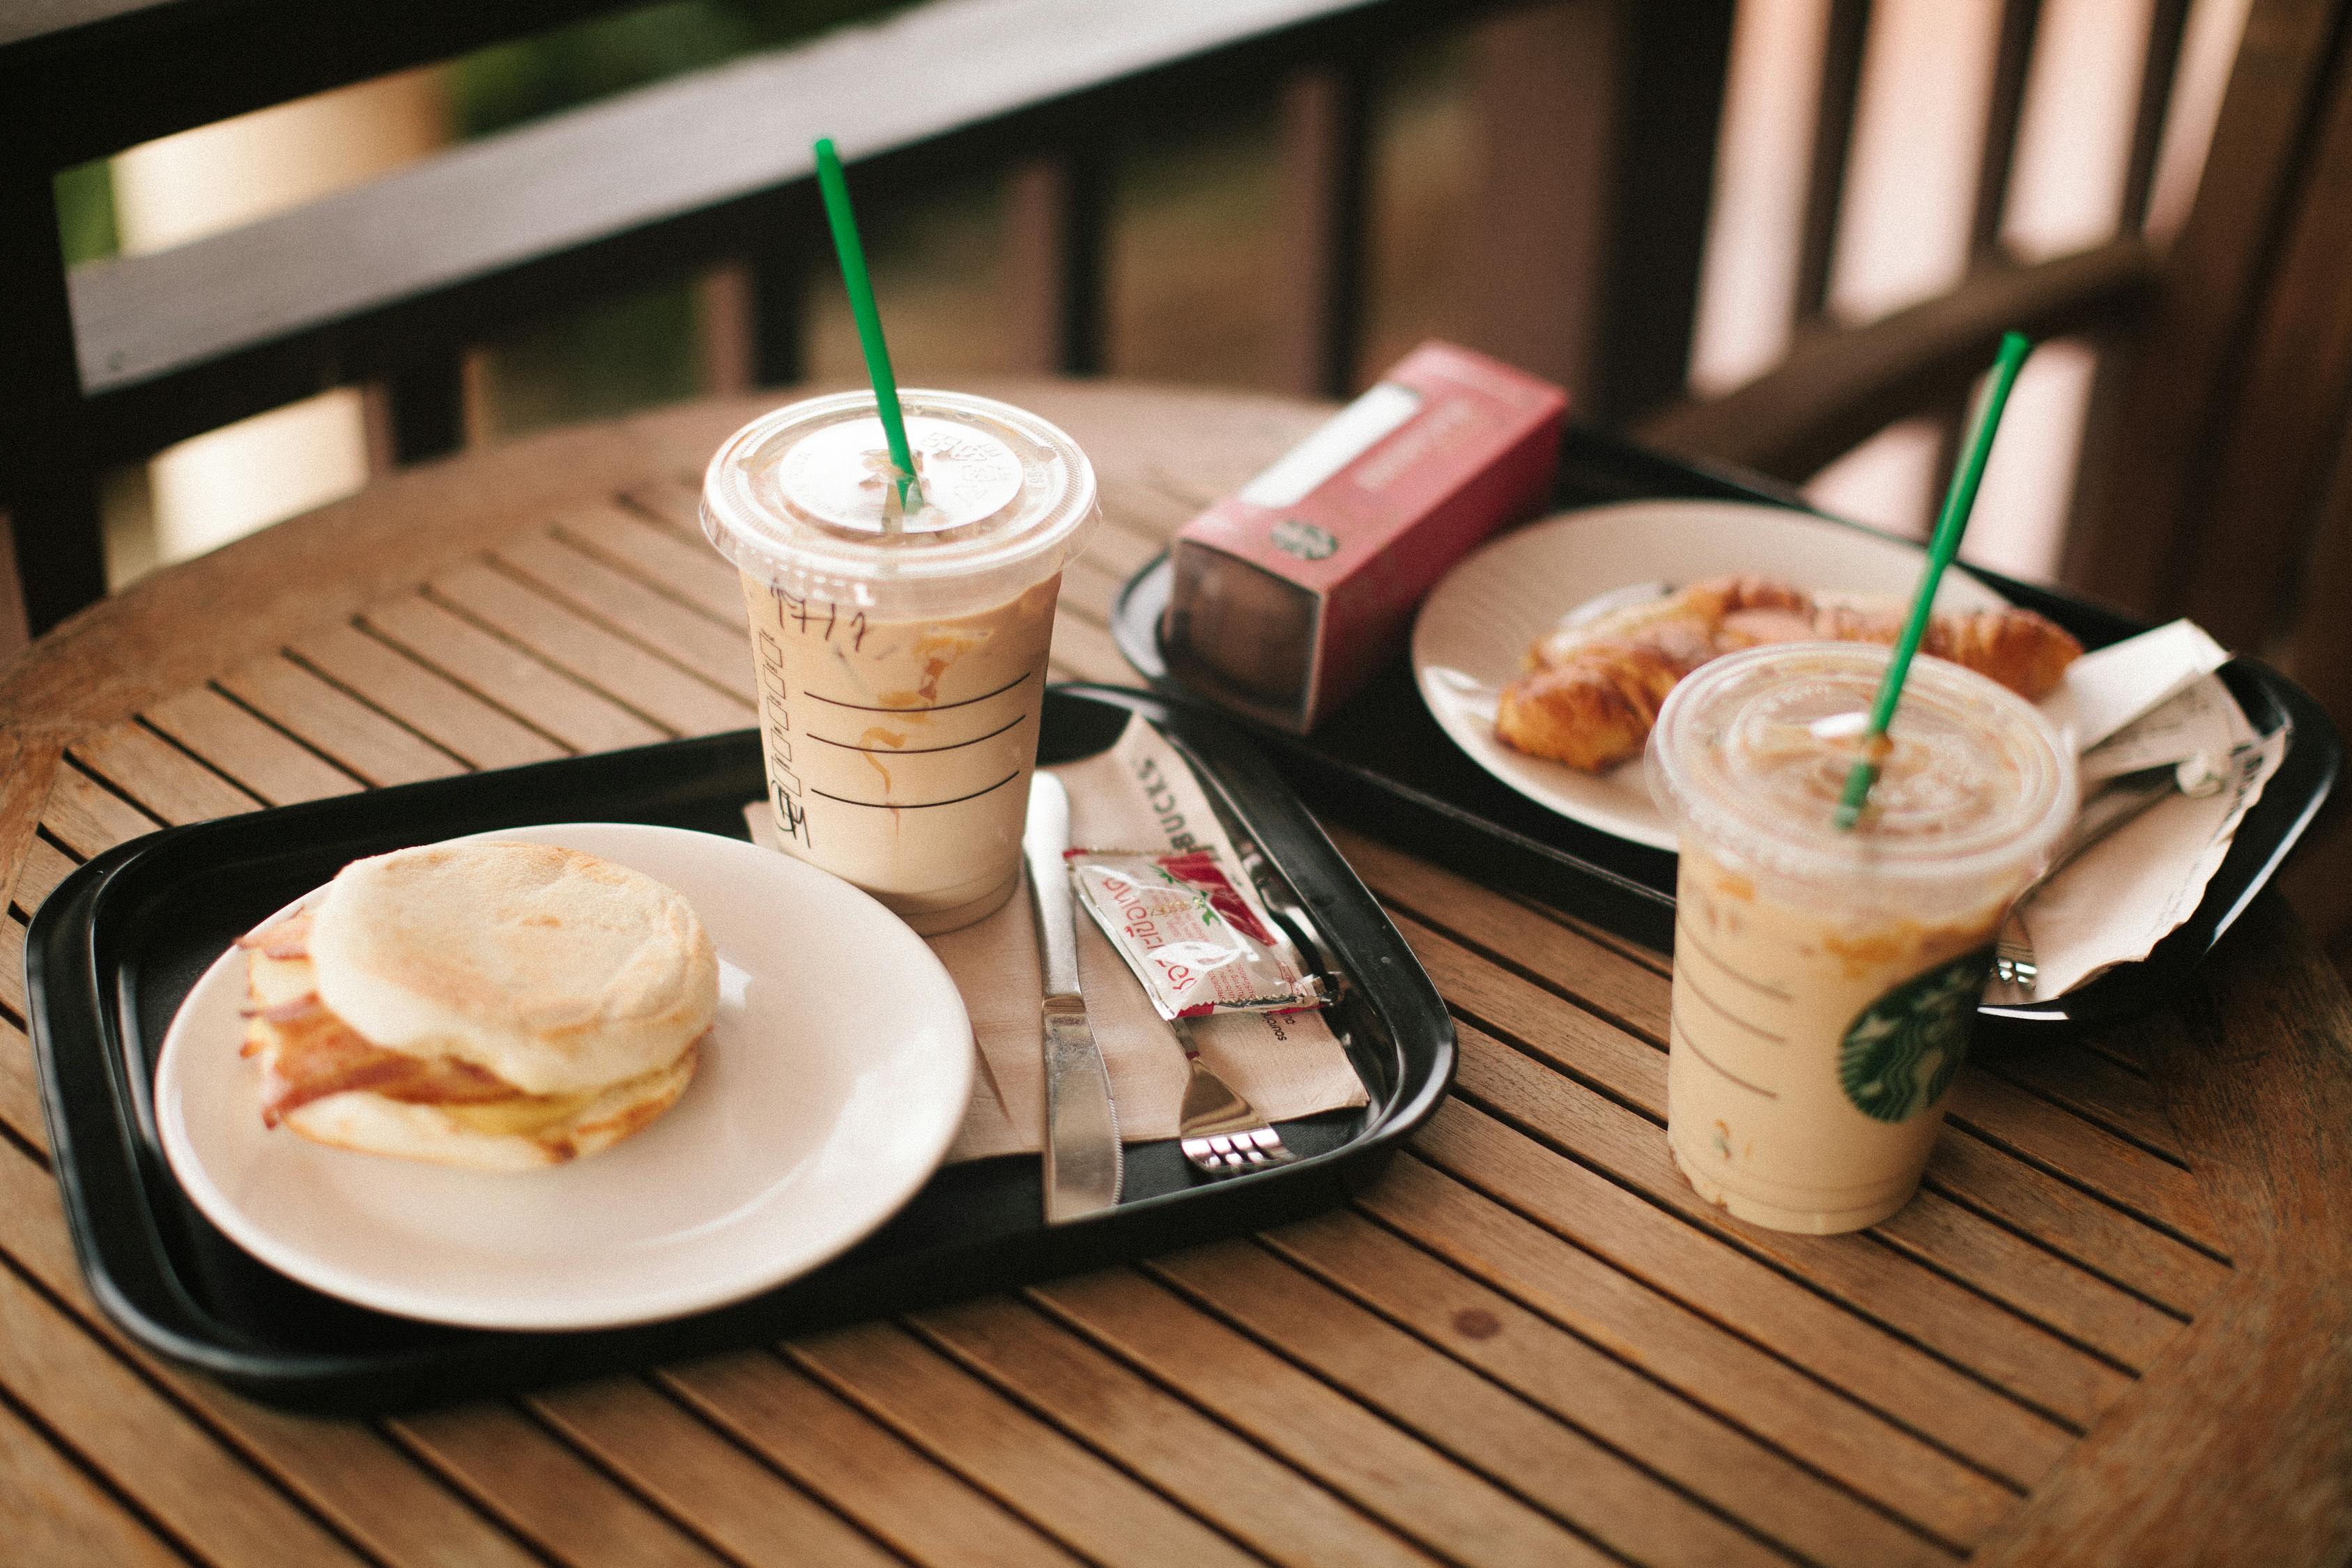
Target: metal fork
{"x": 1221, "y": 1132}
{"x": 2121, "y": 800}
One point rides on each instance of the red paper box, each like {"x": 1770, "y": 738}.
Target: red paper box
{"x": 1288, "y": 594}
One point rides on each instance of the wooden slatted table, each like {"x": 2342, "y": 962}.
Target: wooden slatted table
{"x": 2117, "y": 1326}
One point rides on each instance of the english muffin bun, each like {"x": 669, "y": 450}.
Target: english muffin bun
{"x": 492, "y": 1005}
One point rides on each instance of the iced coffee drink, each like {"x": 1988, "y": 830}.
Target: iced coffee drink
{"x": 900, "y": 650}
{"x": 1825, "y": 981}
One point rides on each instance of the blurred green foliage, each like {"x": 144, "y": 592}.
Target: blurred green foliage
{"x": 506, "y": 84}
{"x": 86, "y": 213}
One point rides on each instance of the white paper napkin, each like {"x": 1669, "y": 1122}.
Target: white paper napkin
{"x": 2143, "y": 703}
{"x": 1139, "y": 795}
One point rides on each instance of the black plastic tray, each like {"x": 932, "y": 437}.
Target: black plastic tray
{"x": 1382, "y": 764}
{"x": 112, "y": 952}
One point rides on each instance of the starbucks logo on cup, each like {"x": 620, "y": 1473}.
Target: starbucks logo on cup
{"x": 1304, "y": 539}
{"x": 1900, "y": 1055}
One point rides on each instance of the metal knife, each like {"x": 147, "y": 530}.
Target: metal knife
{"x": 1083, "y": 1164}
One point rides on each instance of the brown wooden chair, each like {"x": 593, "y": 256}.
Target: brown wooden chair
{"x": 2213, "y": 480}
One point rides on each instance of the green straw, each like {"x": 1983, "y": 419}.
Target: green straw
{"x": 1946, "y": 544}
{"x": 869, "y": 321}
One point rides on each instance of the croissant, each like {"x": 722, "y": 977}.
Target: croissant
{"x": 1592, "y": 691}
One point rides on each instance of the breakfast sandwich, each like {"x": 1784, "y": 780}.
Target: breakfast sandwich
{"x": 493, "y": 1005}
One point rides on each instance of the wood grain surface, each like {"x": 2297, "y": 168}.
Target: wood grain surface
{"x": 2111, "y": 1329}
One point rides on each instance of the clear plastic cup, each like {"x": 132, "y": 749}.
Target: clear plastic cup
{"x": 902, "y": 659}
{"x": 1825, "y": 981}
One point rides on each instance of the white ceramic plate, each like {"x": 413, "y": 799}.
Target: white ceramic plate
{"x": 837, "y": 1077}
{"x": 1475, "y": 625}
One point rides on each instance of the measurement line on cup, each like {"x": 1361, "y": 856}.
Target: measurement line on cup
{"x": 1683, "y": 932}
{"x": 934, "y": 708}
{"x": 917, "y": 805}
{"x": 920, "y": 750}
{"x": 1676, "y": 1031}
{"x": 1684, "y": 978}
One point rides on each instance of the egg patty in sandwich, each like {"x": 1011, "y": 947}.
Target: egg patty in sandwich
{"x": 494, "y": 1004}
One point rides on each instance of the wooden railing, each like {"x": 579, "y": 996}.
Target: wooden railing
{"x": 390, "y": 283}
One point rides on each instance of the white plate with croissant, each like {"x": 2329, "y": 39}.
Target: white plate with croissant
{"x": 1546, "y": 654}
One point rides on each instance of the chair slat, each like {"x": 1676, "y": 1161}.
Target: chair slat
{"x": 2167, "y": 24}
{"x": 1325, "y": 152}
{"x": 2282, "y": 435}
{"x": 1057, "y": 237}
{"x": 2150, "y": 434}
{"x": 2013, "y": 59}
{"x": 1845, "y": 42}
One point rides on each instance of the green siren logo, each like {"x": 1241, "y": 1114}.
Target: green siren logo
{"x": 1306, "y": 541}
{"x": 1899, "y": 1056}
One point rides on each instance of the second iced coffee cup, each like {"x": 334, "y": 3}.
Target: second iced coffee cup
{"x": 900, "y": 655}
{"x": 1825, "y": 981}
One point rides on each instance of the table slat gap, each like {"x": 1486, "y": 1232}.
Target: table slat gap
{"x": 1623, "y": 1406}
{"x": 539, "y": 1490}
{"x": 90, "y": 819}
{"x": 12, "y": 970}
{"x": 202, "y": 1491}
{"x": 717, "y": 657}
{"x": 1970, "y": 1332}
{"x": 672, "y": 503}
{"x": 652, "y": 688}
{"x": 719, "y": 1431}
{"x": 2129, "y": 1210}
{"x": 1960, "y": 1196}
{"x": 2063, "y": 1143}
{"x": 1618, "y": 1151}
{"x": 1331, "y": 1435}
{"x": 573, "y": 545}
{"x": 255, "y": 755}
{"x": 357, "y": 779}
{"x": 421, "y": 699}
{"x": 60, "y": 1511}
{"x": 1779, "y": 1405}
{"x": 507, "y": 678}
{"x": 1532, "y": 1450}
{"x": 905, "y": 1385}
{"x": 617, "y": 1443}
{"x": 20, "y": 1097}
{"x": 1782, "y": 1316}
{"x": 625, "y": 540}
{"x": 900, "y": 1495}
{"x": 339, "y": 1469}
{"x": 157, "y": 774}
{"x": 1167, "y": 1452}
{"x": 1492, "y": 1017}
{"x": 1088, "y": 649}
{"x": 46, "y": 864}
{"x": 1633, "y": 952}
{"x": 353, "y": 734}
{"x": 2026, "y": 1076}
{"x": 2142, "y": 1356}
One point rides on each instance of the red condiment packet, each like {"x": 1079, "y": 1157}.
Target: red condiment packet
{"x": 1198, "y": 938}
